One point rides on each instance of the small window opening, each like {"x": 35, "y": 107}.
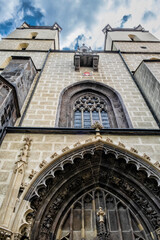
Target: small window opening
{"x": 22, "y": 46}
{"x": 133, "y": 37}
{"x": 33, "y": 35}
{"x": 143, "y": 47}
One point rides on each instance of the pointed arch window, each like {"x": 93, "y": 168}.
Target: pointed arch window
{"x": 83, "y": 103}
{"x": 89, "y": 109}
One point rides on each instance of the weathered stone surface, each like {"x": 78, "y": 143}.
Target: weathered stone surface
{"x": 18, "y": 75}
{"x": 20, "y": 72}
{"x": 148, "y": 79}
{"x": 7, "y": 105}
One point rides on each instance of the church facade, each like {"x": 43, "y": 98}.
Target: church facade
{"x": 80, "y": 138}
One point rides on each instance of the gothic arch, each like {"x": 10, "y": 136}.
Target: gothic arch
{"x": 117, "y": 112}
{"x": 95, "y": 166}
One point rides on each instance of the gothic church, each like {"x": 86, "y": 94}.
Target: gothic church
{"x": 80, "y": 138}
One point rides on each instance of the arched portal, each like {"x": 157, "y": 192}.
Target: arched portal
{"x": 66, "y": 197}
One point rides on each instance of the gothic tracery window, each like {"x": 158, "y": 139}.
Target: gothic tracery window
{"x": 82, "y": 220}
{"x": 83, "y": 103}
{"x": 89, "y": 109}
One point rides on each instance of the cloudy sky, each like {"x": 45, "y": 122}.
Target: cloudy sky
{"x": 82, "y": 21}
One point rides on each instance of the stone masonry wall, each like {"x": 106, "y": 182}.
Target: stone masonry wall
{"x": 134, "y": 60}
{"x": 33, "y": 44}
{"x": 37, "y": 57}
{"x": 25, "y": 33}
{"x": 148, "y": 78}
{"x": 137, "y": 46}
{"x": 43, "y": 146}
{"x": 59, "y": 73}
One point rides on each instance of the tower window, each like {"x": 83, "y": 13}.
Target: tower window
{"x": 133, "y": 37}
{"x": 22, "y": 46}
{"x": 89, "y": 109}
{"x": 33, "y": 35}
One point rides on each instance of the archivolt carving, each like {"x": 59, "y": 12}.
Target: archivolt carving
{"x": 97, "y": 145}
{"x": 95, "y": 164}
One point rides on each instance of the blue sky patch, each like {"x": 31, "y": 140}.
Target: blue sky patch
{"x": 125, "y": 19}
{"x": 148, "y": 16}
{"x": 80, "y": 18}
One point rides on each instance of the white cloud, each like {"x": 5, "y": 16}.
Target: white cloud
{"x": 108, "y": 13}
{"x": 8, "y": 9}
{"x": 89, "y": 17}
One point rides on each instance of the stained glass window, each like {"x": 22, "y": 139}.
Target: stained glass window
{"x": 89, "y": 109}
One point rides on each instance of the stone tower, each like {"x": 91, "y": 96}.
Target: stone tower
{"x": 80, "y": 138}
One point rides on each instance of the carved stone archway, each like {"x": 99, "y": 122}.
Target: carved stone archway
{"x": 132, "y": 183}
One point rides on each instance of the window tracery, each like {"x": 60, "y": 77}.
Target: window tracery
{"x": 110, "y": 110}
{"x": 89, "y": 109}
{"x": 82, "y": 221}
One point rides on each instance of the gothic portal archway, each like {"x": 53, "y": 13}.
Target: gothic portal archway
{"x": 66, "y": 197}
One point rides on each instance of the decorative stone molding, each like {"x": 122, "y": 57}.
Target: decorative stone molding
{"x": 88, "y": 140}
{"x": 98, "y": 138}
{"x": 158, "y": 233}
{"x": 5, "y": 234}
{"x": 23, "y": 157}
{"x": 146, "y": 157}
{"x": 17, "y": 236}
{"x": 16, "y": 185}
{"x": 157, "y": 164}
{"x": 77, "y": 144}
{"x": 109, "y": 140}
{"x": 54, "y": 155}
{"x": 133, "y": 150}
{"x": 33, "y": 172}
{"x": 97, "y": 126}
{"x": 42, "y": 164}
{"x": 65, "y": 149}
{"x": 121, "y": 145}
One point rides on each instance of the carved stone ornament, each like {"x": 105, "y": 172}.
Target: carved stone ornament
{"x": 158, "y": 233}
{"x": 84, "y": 57}
{"x": 23, "y": 157}
{"x": 124, "y": 177}
{"x": 103, "y": 234}
{"x": 5, "y": 234}
{"x": 97, "y": 126}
